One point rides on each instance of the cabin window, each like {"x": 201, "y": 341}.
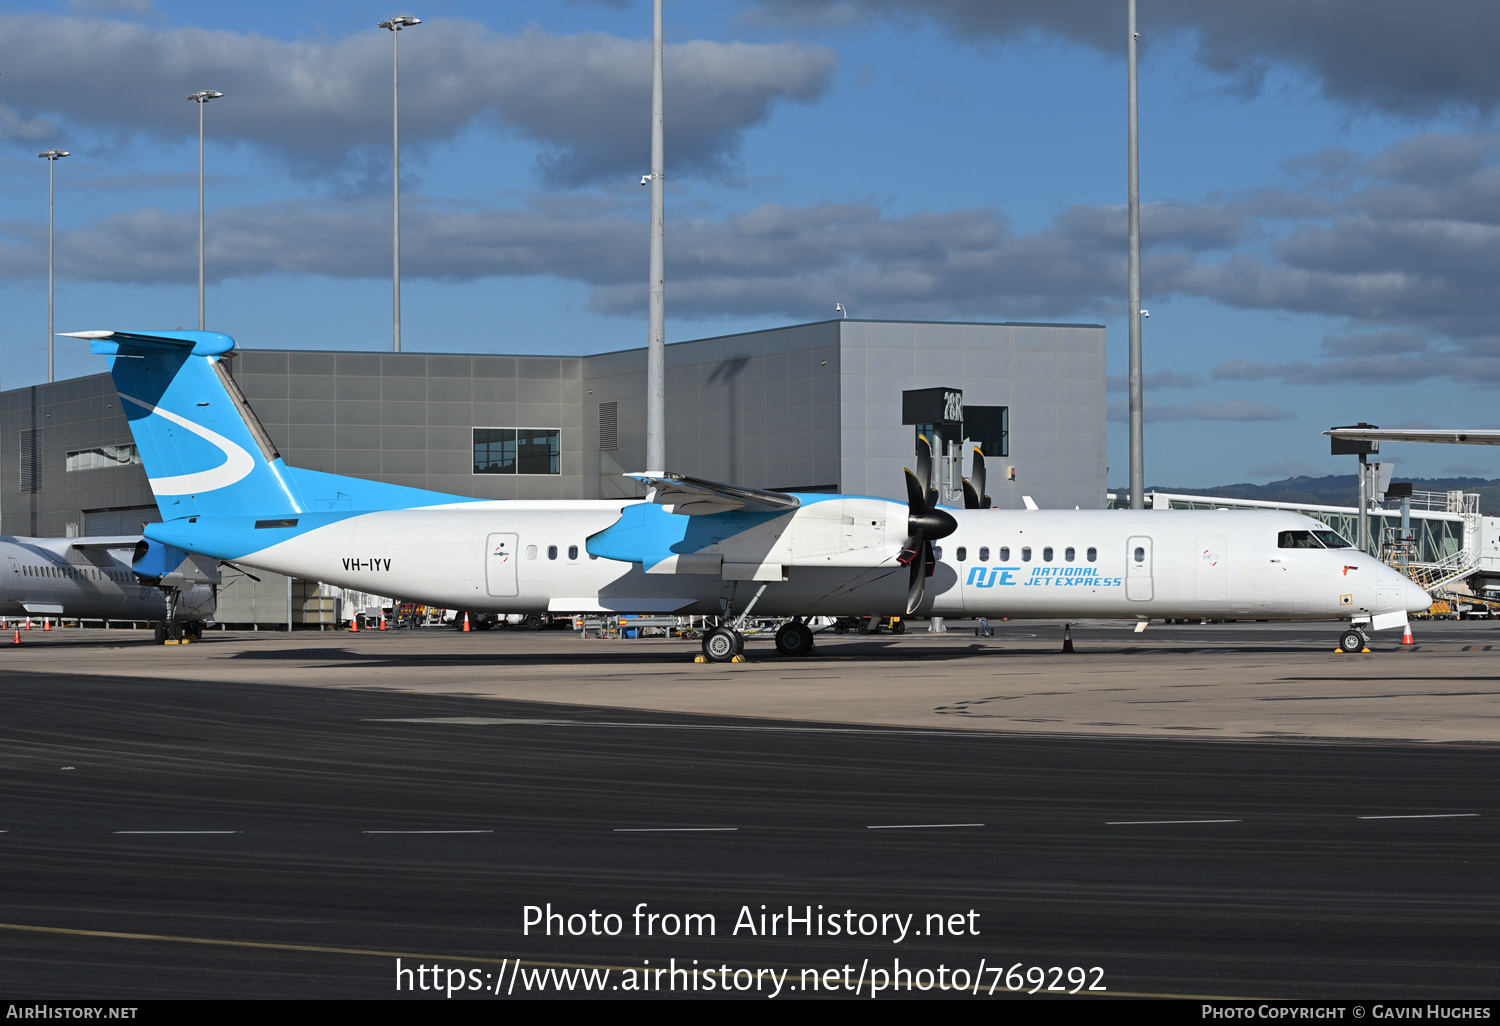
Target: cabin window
{"x": 1005, "y": 553}
{"x": 551, "y": 551}
{"x": 1026, "y": 553}
{"x": 1298, "y": 540}
{"x": 1332, "y": 540}
{"x": 937, "y": 552}
{"x": 1047, "y": 554}
{"x": 1093, "y": 554}
{"x": 531, "y": 552}
{"x": 984, "y": 555}
{"x": 572, "y": 551}
{"x": 1068, "y": 554}
{"x": 962, "y": 553}
{"x": 1140, "y": 554}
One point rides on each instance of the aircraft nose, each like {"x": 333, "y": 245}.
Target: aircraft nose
{"x": 1417, "y": 600}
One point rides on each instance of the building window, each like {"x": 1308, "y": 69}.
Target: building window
{"x": 989, "y": 428}
{"x": 31, "y": 460}
{"x": 517, "y": 451}
{"x": 103, "y": 456}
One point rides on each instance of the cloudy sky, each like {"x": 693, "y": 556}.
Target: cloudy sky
{"x": 1321, "y": 189}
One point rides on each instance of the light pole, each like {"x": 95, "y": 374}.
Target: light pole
{"x": 51, "y": 157}
{"x": 396, "y": 25}
{"x": 656, "y": 343}
{"x": 1137, "y": 399}
{"x": 201, "y": 98}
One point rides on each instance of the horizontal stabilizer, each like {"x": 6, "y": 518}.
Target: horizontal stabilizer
{"x": 692, "y": 496}
{"x": 189, "y": 343}
{"x": 104, "y": 544}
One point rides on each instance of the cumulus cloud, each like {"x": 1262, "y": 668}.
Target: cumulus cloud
{"x": 1229, "y": 409}
{"x": 1377, "y": 54}
{"x": 586, "y": 99}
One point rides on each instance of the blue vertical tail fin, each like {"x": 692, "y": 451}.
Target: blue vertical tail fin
{"x": 204, "y": 451}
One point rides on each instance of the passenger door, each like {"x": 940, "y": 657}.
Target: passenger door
{"x": 1138, "y": 569}
{"x": 501, "y": 554}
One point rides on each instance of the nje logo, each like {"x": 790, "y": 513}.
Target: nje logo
{"x": 1040, "y": 576}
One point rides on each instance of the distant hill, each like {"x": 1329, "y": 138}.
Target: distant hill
{"x": 1342, "y": 490}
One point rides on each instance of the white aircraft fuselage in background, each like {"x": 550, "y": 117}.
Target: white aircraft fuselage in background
{"x": 85, "y": 579}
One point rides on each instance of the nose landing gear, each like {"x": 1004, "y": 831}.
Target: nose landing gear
{"x": 1353, "y": 640}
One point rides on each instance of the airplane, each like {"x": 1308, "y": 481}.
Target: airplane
{"x": 107, "y": 578}
{"x": 702, "y": 547}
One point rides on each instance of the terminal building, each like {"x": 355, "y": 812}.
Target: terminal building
{"x": 810, "y": 407}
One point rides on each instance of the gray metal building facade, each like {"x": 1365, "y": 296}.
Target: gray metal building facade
{"x": 812, "y": 406}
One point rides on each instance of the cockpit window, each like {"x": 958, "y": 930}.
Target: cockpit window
{"x": 1299, "y": 540}
{"x": 1332, "y": 540}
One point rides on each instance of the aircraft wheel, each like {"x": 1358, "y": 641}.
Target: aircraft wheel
{"x": 898, "y": 627}
{"x": 161, "y": 634}
{"x": 484, "y": 623}
{"x": 794, "y": 639}
{"x": 1351, "y": 641}
{"x": 721, "y": 644}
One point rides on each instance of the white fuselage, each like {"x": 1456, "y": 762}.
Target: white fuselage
{"x": 508, "y": 557}
{"x": 79, "y": 579}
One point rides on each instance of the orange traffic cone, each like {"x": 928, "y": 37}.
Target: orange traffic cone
{"x": 17, "y": 639}
{"x": 1406, "y": 638}
{"x": 466, "y": 623}
{"x": 354, "y": 624}
{"x": 46, "y": 624}
{"x": 28, "y": 623}
{"x": 382, "y": 619}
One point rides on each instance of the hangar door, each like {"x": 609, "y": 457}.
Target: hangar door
{"x": 501, "y": 552}
{"x": 1138, "y": 569}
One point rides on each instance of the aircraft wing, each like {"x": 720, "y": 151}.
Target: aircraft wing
{"x": 1460, "y": 436}
{"x": 693, "y": 496}
{"x": 125, "y": 541}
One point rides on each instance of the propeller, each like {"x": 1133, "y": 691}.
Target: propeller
{"x": 974, "y": 497}
{"x": 925, "y": 524}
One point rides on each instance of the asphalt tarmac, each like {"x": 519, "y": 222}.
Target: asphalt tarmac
{"x": 171, "y": 836}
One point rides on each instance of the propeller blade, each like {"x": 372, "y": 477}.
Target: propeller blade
{"x": 916, "y": 495}
{"x": 978, "y": 478}
{"x": 917, "y": 582}
{"x": 924, "y": 472}
{"x": 971, "y": 496}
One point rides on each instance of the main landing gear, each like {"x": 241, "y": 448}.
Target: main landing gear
{"x": 1353, "y": 640}
{"x": 722, "y": 644}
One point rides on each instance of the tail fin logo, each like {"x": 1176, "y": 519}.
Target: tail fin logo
{"x": 236, "y": 466}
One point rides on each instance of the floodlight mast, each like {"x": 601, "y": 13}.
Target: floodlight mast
{"x": 51, "y": 157}
{"x": 1137, "y": 399}
{"x": 396, "y": 25}
{"x": 201, "y": 97}
{"x": 656, "y": 351}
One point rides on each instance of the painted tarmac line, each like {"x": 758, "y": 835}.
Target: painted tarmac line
{"x": 1165, "y": 822}
{"x": 674, "y": 830}
{"x": 1430, "y": 815}
{"x": 427, "y": 831}
{"x": 922, "y": 826}
{"x": 175, "y": 832}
